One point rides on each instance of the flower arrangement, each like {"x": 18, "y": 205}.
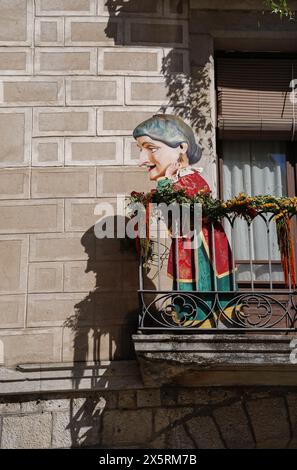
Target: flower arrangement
{"x": 214, "y": 210}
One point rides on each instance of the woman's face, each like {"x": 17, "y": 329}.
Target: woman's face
{"x": 156, "y": 156}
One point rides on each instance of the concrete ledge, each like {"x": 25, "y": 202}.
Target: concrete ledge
{"x": 70, "y": 377}
{"x": 205, "y": 359}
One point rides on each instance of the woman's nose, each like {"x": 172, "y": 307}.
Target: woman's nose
{"x": 143, "y": 158}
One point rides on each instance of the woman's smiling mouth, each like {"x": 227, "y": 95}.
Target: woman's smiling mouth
{"x": 151, "y": 167}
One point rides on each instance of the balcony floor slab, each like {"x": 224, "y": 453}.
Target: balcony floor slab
{"x": 217, "y": 359}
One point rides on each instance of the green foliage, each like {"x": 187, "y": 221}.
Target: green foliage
{"x": 280, "y": 7}
{"x": 214, "y": 210}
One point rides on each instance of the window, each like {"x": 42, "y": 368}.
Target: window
{"x": 255, "y": 168}
{"x": 256, "y": 130}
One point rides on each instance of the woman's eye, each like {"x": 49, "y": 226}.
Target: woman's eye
{"x": 152, "y": 149}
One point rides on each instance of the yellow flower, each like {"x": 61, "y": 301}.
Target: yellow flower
{"x": 281, "y": 214}
{"x": 269, "y": 205}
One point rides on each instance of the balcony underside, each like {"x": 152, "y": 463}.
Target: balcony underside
{"x": 212, "y": 359}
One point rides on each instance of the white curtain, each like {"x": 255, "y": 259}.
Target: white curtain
{"x": 254, "y": 167}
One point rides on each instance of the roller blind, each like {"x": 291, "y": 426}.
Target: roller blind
{"x": 255, "y": 98}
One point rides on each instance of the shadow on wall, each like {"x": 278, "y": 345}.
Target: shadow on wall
{"x": 102, "y": 326}
{"x": 187, "y": 86}
{"x": 106, "y": 318}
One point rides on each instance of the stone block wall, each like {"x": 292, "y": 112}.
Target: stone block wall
{"x": 76, "y": 76}
{"x": 168, "y": 418}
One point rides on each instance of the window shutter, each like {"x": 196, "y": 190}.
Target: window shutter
{"x": 255, "y": 98}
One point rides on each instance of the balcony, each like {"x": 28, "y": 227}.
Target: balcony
{"x": 242, "y": 335}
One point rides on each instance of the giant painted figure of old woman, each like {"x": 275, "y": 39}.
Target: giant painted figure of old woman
{"x": 168, "y": 150}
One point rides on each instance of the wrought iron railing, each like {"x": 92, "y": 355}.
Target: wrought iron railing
{"x": 258, "y": 300}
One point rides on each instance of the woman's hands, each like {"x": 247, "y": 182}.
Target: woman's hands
{"x": 172, "y": 169}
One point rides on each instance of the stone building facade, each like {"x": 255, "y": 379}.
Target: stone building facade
{"x": 76, "y": 77}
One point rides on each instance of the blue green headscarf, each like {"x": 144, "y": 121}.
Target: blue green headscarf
{"x": 172, "y": 131}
